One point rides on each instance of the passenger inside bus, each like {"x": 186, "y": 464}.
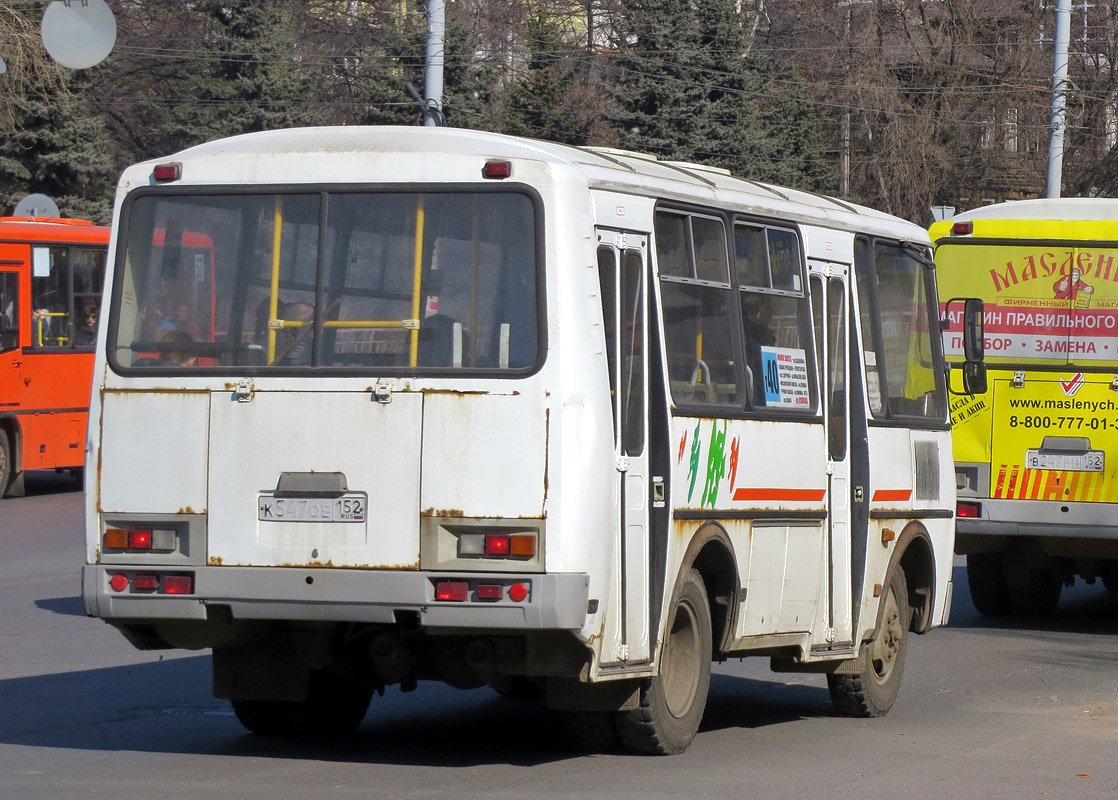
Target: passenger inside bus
{"x": 757, "y": 313}
{"x": 85, "y": 332}
{"x": 293, "y": 347}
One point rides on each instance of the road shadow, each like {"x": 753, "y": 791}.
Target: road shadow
{"x": 166, "y": 707}
{"x": 1083, "y": 609}
{"x": 70, "y": 606}
{"x": 39, "y": 482}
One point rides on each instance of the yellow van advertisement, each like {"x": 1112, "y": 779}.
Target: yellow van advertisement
{"x": 1045, "y": 302}
{"x": 1051, "y": 437}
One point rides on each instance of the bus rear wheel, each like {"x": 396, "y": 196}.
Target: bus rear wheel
{"x": 672, "y": 704}
{"x": 334, "y": 706}
{"x": 986, "y": 579}
{"x": 872, "y": 690}
{"x": 1036, "y": 593}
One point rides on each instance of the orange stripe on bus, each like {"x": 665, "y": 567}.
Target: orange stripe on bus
{"x": 891, "y": 495}
{"x": 777, "y": 495}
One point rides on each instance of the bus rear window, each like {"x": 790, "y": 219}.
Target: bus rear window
{"x": 387, "y": 281}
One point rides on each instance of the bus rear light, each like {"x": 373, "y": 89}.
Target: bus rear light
{"x": 517, "y": 592}
{"x": 968, "y": 510}
{"x": 147, "y": 583}
{"x": 490, "y": 591}
{"x": 962, "y": 229}
{"x": 452, "y": 591}
{"x": 141, "y": 539}
{"x": 178, "y": 584}
{"x": 119, "y": 582}
{"x": 497, "y": 544}
{"x": 167, "y": 172}
{"x": 497, "y": 169}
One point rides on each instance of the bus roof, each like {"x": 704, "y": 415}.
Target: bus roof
{"x": 1059, "y": 218}
{"x": 378, "y": 154}
{"x": 51, "y": 229}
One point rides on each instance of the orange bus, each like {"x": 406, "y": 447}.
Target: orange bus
{"x": 51, "y": 275}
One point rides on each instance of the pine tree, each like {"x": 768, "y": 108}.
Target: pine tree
{"x": 556, "y": 98}
{"x": 690, "y": 89}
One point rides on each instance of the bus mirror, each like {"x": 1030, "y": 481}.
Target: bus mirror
{"x": 974, "y": 347}
{"x": 974, "y": 378}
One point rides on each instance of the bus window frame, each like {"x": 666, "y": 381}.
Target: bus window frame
{"x": 744, "y": 408}
{"x": 887, "y": 416}
{"x": 326, "y": 190}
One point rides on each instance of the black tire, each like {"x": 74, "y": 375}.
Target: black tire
{"x": 672, "y": 704}
{"x": 6, "y": 466}
{"x": 1037, "y": 595}
{"x": 334, "y": 706}
{"x": 872, "y": 690}
{"x": 988, "y": 589}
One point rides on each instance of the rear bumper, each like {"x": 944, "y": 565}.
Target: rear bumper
{"x": 1035, "y": 519}
{"x": 553, "y": 602}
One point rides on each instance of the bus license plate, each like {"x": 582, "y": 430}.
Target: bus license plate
{"x": 348, "y": 508}
{"x": 1091, "y": 461}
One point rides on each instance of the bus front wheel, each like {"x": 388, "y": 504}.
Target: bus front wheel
{"x": 672, "y": 704}
{"x": 873, "y": 688}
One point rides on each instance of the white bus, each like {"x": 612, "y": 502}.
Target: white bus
{"x": 489, "y": 410}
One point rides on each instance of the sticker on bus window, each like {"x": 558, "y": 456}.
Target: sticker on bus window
{"x": 786, "y": 379}
{"x": 40, "y": 262}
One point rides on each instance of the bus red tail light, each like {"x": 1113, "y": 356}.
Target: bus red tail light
{"x": 178, "y": 584}
{"x": 497, "y": 169}
{"x": 968, "y": 510}
{"x": 167, "y": 172}
{"x": 452, "y": 591}
{"x": 146, "y": 583}
{"x": 139, "y": 539}
{"x": 490, "y": 591}
{"x": 496, "y": 544}
{"x": 962, "y": 229}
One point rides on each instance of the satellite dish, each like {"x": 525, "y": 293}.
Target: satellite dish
{"x": 79, "y": 33}
{"x": 36, "y": 205}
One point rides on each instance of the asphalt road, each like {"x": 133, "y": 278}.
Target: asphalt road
{"x": 989, "y": 709}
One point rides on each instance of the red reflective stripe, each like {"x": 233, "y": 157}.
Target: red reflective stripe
{"x": 892, "y": 495}
{"x": 781, "y": 495}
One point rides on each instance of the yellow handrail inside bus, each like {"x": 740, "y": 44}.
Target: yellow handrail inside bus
{"x": 59, "y": 340}
{"x": 413, "y": 356}
{"x": 273, "y": 298}
{"x": 275, "y": 324}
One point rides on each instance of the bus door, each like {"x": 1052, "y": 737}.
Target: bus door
{"x": 10, "y": 357}
{"x": 622, "y": 271}
{"x": 829, "y": 298}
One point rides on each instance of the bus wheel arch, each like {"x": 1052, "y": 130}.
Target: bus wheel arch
{"x": 711, "y": 553}
{"x": 915, "y": 555}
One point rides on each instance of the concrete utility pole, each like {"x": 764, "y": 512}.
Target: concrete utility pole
{"x": 433, "y": 74}
{"x": 1059, "y": 100}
